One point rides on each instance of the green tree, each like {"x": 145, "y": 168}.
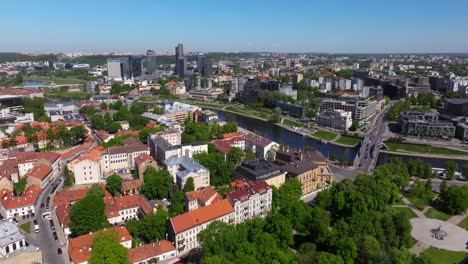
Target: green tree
{"x": 328, "y": 258}
{"x": 107, "y": 249}
{"x": 103, "y": 106}
{"x": 157, "y": 184}
{"x": 220, "y": 170}
{"x": 69, "y": 178}
{"x": 96, "y": 190}
{"x": 235, "y": 156}
{"x": 20, "y": 186}
{"x": 428, "y": 171}
{"x": 454, "y": 199}
{"x": 280, "y": 227}
{"x": 465, "y": 170}
{"x": 151, "y": 228}
{"x": 189, "y": 185}
{"x": 87, "y": 215}
{"x": 451, "y": 167}
{"x": 277, "y": 114}
{"x": 347, "y": 249}
{"x": 354, "y": 126}
{"x": 249, "y": 155}
{"x": 97, "y": 121}
{"x": 114, "y": 184}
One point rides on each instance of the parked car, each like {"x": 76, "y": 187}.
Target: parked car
{"x": 46, "y": 215}
{"x": 36, "y": 226}
{"x": 59, "y": 251}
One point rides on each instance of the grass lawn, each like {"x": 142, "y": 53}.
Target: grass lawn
{"x": 325, "y": 135}
{"x": 292, "y": 123}
{"x": 464, "y": 223}
{"x": 60, "y": 81}
{"x": 347, "y": 140}
{"x": 419, "y": 203}
{"x": 399, "y": 202}
{"x": 406, "y": 210}
{"x": 416, "y": 148}
{"x": 437, "y": 256}
{"x": 26, "y": 227}
{"x": 434, "y": 213}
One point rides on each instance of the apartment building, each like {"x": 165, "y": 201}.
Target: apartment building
{"x": 184, "y": 229}
{"x": 11, "y": 239}
{"x": 337, "y": 119}
{"x": 20, "y": 207}
{"x": 250, "y": 199}
{"x": 160, "y": 251}
{"x": 201, "y": 198}
{"x": 182, "y": 168}
{"x": 260, "y": 170}
{"x": 425, "y": 124}
{"x": 263, "y": 147}
{"x": 360, "y": 110}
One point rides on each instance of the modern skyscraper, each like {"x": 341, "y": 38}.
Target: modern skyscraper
{"x": 136, "y": 63}
{"x": 181, "y": 61}
{"x": 204, "y": 65}
{"x": 150, "y": 64}
{"x": 118, "y": 68}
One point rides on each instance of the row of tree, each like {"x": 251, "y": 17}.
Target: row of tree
{"x": 201, "y": 132}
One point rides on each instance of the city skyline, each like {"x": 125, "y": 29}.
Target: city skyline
{"x": 260, "y": 26}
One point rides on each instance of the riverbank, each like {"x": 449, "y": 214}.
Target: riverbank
{"x": 424, "y": 149}
{"x": 426, "y": 155}
{"x": 334, "y": 138}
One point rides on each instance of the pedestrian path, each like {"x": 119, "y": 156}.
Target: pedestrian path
{"x": 412, "y": 207}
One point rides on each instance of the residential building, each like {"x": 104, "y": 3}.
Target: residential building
{"x": 11, "y": 239}
{"x": 142, "y": 162}
{"x": 161, "y": 251}
{"x": 119, "y": 210}
{"x": 250, "y": 199}
{"x": 360, "y": 110}
{"x": 263, "y": 147}
{"x": 260, "y": 170}
{"x": 40, "y": 175}
{"x": 132, "y": 186}
{"x": 425, "y": 124}
{"x": 182, "y": 168}
{"x": 338, "y": 119}
{"x": 309, "y": 167}
{"x": 79, "y": 248}
{"x": 87, "y": 167}
{"x": 20, "y": 207}
{"x": 184, "y": 229}
{"x": 288, "y": 91}
{"x": 121, "y": 159}
{"x": 173, "y": 111}
{"x": 291, "y": 109}
{"x": 201, "y": 198}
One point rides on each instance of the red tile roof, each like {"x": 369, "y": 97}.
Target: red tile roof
{"x": 233, "y": 134}
{"x": 29, "y": 197}
{"x": 135, "y": 255}
{"x": 202, "y": 215}
{"x": 39, "y": 171}
{"x": 143, "y": 158}
{"x": 203, "y": 195}
{"x": 246, "y": 188}
{"x": 80, "y": 247}
{"x": 127, "y": 132}
{"x": 63, "y": 214}
{"x": 132, "y": 184}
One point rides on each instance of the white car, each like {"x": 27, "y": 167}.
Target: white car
{"x": 46, "y": 215}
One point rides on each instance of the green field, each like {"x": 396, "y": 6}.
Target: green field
{"x": 416, "y": 148}
{"x": 26, "y": 227}
{"x": 292, "y": 123}
{"x": 406, "y": 210}
{"x": 464, "y": 223}
{"x": 419, "y": 203}
{"x": 434, "y": 213}
{"x": 325, "y": 135}
{"x": 59, "y": 81}
{"x": 349, "y": 141}
{"x": 439, "y": 256}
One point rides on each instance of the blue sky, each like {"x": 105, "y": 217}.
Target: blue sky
{"x": 384, "y": 26}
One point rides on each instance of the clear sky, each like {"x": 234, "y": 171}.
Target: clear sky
{"x": 357, "y": 26}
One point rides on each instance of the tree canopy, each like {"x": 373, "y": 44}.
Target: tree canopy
{"x": 114, "y": 184}
{"x": 87, "y": 215}
{"x": 157, "y": 184}
{"x": 107, "y": 249}
{"x": 151, "y": 228}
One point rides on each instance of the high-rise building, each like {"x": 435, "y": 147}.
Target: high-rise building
{"x": 118, "y": 68}
{"x": 150, "y": 64}
{"x": 204, "y": 65}
{"x": 181, "y": 61}
{"x": 136, "y": 65}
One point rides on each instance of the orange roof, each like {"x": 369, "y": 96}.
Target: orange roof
{"x": 63, "y": 214}
{"x": 70, "y": 196}
{"x": 233, "y": 134}
{"x": 80, "y": 247}
{"x": 150, "y": 124}
{"x": 139, "y": 254}
{"x": 202, "y": 215}
{"x": 29, "y": 197}
{"x": 21, "y": 140}
{"x": 132, "y": 184}
{"x": 143, "y": 158}
{"x": 39, "y": 171}
{"x": 203, "y": 194}
{"x": 92, "y": 155}
{"x": 49, "y": 156}
{"x": 127, "y": 132}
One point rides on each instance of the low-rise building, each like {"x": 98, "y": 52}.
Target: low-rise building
{"x": 11, "y": 239}
{"x": 338, "y": 119}
{"x": 20, "y": 207}
{"x": 142, "y": 162}
{"x": 201, "y": 198}
{"x": 309, "y": 167}
{"x": 425, "y": 124}
{"x": 360, "y": 110}
{"x": 263, "y": 147}
{"x": 182, "y": 168}
{"x": 260, "y": 170}
{"x": 250, "y": 199}
{"x": 79, "y": 248}
{"x": 161, "y": 251}
{"x": 132, "y": 186}
{"x": 184, "y": 229}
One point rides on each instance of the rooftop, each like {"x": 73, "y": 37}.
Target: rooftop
{"x": 202, "y": 215}
{"x": 135, "y": 255}
{"x": 202, "y": 195}
{"x": 244, "y": 189}
{"x": 9, "y": 233}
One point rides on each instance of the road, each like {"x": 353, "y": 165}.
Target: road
{"x": 368, "y": 152}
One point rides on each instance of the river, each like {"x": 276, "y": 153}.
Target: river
{"x": 284, "y": 136}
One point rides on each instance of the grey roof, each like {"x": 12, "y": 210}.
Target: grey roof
{"x": 9, "y": 233}
{"x": 54, "y": 104}
{"x": 257, "y": 169}
{"x": 186, "y": 164}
